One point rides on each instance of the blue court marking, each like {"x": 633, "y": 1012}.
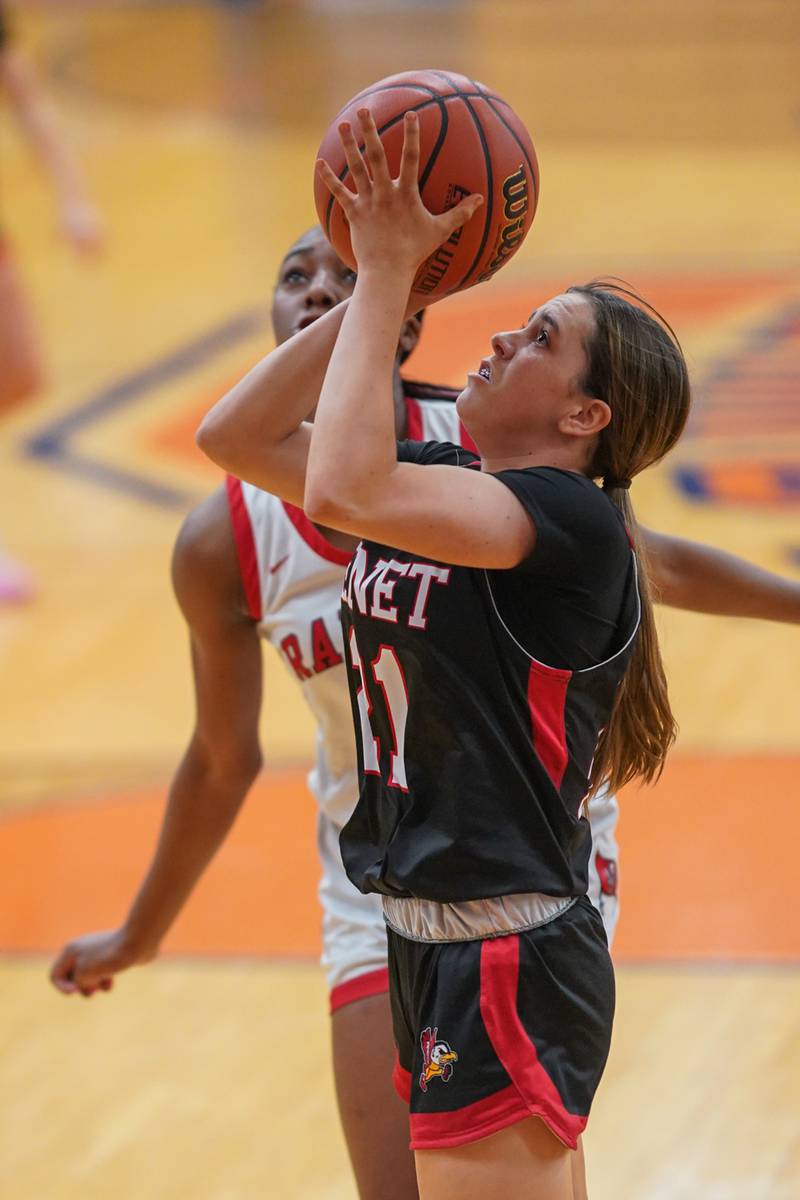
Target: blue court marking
{"x": 51, "y": 443}
{"x": 695, "y": 482}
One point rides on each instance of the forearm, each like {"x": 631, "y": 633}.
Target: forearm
{"x": 272, "y": 400}
{"x": 201, "y": 809}
{"x": 704, "y": 579}
{"x": 343, "y": 471}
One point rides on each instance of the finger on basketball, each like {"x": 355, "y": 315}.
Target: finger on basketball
{"x": 373, "y": 146}
{"x": 335, "y": 186}
{"x": 354, "y": 158}
{"x": 409, "y": 161}
{"x": 455, "y": 217}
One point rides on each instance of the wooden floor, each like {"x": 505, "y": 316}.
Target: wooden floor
{"x": 667, "y": 135}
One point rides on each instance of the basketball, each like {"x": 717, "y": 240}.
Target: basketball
{"x": 471, "y": 140}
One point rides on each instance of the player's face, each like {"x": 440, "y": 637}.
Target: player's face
{"x": 311, "y": 280}
{"x": 533, "y": 372}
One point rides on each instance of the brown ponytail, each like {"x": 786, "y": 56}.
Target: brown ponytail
{"x": 636, "y": 366}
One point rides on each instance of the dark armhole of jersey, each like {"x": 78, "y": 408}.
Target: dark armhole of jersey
{"x": 429, "y": 391}
{"x": 426, "y": 454}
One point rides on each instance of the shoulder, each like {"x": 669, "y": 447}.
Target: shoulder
{"x": 575, "y": 520}
{"x": 566, "y": 492}
{"x": 205, "y": 565}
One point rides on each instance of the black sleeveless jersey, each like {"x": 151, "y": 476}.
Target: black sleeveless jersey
{"x": 479, "y": 696}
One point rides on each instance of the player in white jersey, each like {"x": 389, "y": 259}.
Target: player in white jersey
{"x": 248, "y": 565}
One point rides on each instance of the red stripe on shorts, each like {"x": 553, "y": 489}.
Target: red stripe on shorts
{"x": 517, "y": 1053}
{"x": 372, "y": 983}
{"x": 436, "y": 1131}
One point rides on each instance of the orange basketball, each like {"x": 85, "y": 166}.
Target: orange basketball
{"x": 471, "y": 140}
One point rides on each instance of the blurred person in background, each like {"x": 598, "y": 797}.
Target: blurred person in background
{"x": 78, "y": 221}
{"x": 246, "y": 566}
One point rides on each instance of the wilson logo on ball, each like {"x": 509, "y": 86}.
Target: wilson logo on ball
{"x": 515, "y": 209}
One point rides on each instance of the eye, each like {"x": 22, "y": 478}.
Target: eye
{"x": 349, "y": 276}
{"x": 543, "y": 337}
{"x": 294, "y": 275}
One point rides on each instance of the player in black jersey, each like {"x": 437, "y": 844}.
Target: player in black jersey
{"x": 504, "y": 663}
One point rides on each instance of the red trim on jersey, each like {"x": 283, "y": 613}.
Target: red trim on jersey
{"x": 401, "y": 1078}
{"x": 245, "y": 545}
{"x": 465, "y": 440}
{"x": 511, "y": 1043}
{"x": 414, "y": 427}
{"x": 372, "y": 983}
{"x": 547, "y": 698}
{"x": 313, "y": 538}
{"x": 436, "y": 1131}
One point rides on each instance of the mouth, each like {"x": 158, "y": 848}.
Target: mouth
{"x": 484, "y": 371}
{"x": 306, "y": 321}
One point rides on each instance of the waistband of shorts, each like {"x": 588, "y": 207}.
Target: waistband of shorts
{"x": 471, "y": 920}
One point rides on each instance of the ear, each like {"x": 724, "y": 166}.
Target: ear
{"x": 587, "y": 417}
{"x": 409, "y": 336}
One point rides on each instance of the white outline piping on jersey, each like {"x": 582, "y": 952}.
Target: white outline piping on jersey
{"x": 577, "y": 670}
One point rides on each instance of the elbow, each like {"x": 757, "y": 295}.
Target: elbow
{"x": 329, "y": 504}
{"x": 318, "y": 504}
{"x": 213, "y": 438}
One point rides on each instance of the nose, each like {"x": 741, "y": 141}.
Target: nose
{"x": 322, "y": 291}
{"x": 502, "y": 345}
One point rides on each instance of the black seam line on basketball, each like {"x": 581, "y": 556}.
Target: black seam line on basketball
{"x": 419, "y": 87}
{"x": 503, "y": 121}
{"x": 434, "y": 98}
{"x": 489, "y": 198}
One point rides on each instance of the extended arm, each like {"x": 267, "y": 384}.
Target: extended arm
{"x": 220, "y": 763}
{"x": 78, "y": 218}
{"x": 704, "y": 579}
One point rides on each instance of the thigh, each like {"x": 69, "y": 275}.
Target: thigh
{"x": 523, "y": 1161}
{"x": 21, "y": 376}
{"x": 374, "y": 1118}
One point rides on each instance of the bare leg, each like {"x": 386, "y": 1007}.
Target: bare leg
{"x": 579, "y": 1191}
{"x": 19, "y": 350}
{"x": 374, "y": 1118}
{"x": 525, "y": 1161}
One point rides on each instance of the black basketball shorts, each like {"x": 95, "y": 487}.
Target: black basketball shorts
{"x": 492, "y": 1031}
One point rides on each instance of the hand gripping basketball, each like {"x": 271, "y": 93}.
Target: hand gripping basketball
{"x": 390, "y": 227}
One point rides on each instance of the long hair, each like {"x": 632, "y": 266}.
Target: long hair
{"x": 637, "y": 367}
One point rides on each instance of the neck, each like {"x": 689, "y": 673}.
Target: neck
{"x": 566, "y": 458}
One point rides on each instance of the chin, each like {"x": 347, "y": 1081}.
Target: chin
{"x": 469, "y": 407}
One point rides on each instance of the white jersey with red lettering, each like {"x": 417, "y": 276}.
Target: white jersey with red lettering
{"x": 292, "y": 577}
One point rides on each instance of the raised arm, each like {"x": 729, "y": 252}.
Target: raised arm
{"x": 704, "y": 579}
{"x": 220, "y": 763}
{"x": 257, "y": 431}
